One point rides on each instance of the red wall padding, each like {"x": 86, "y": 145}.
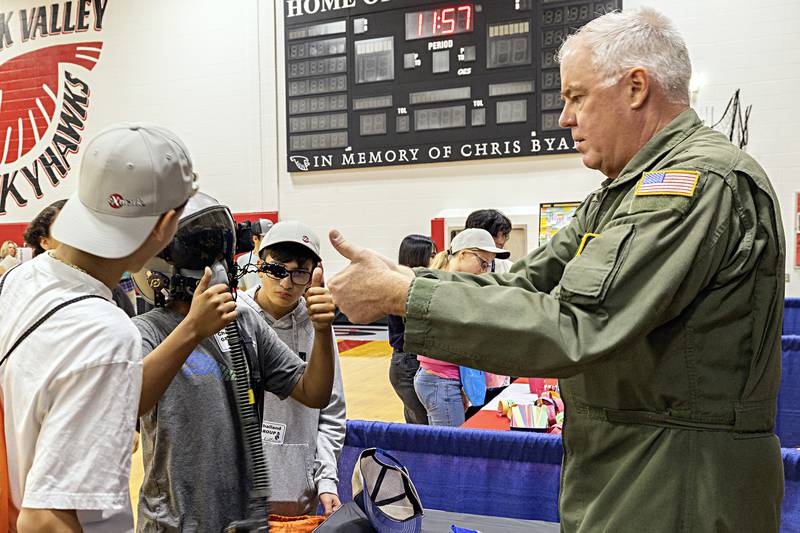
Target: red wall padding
{"x": 14, "y": 230}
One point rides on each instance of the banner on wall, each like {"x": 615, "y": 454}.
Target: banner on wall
{"x": 46, "y": 54}
{"x": 553, "y": 217}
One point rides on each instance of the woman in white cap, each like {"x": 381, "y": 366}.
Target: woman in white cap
{"x": 438, "y": 384}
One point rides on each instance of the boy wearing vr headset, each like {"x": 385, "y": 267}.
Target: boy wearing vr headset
{"x": 301, "y": 444}
{"x": 196, "y": 475}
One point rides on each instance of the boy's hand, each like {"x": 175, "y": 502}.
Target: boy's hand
{"x": 321, "y": 310}
{"x": 212, "y": 308}
{"x": 330, "y": 502}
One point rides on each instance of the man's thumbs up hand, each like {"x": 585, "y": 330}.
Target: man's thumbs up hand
{"x": 371, "y": 287}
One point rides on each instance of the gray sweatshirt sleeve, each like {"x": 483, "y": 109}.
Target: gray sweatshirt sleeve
{"x": 330, "y": 434}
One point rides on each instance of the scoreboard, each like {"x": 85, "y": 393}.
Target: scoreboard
{"x": 396, "y": 82}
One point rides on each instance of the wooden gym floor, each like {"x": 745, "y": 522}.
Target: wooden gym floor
{"x": 368, "y": 393}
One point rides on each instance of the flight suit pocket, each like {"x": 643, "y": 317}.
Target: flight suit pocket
{"x": 587, "y": 277}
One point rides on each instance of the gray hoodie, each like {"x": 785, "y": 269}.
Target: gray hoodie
{"x": 301, "y": 444}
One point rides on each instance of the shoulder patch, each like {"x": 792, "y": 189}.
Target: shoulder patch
{"x": 668, "y": 183}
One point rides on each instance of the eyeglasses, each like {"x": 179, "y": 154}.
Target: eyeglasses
{"x": 486, "y": 266}
{"x": 278, "y": 271}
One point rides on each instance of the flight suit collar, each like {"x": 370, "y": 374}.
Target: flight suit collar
{"x": 661, "y": 143}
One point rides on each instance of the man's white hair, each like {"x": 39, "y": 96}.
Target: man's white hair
{"x": 643, "y": 37}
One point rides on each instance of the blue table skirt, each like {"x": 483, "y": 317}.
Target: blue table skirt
{"x": 494, "y": 473}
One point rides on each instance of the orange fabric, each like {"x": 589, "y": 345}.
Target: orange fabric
{"x": 8, "y": 513}
{"x": 294, "y": 524}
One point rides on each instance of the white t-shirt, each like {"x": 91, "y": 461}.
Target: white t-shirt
{"x": 501, "y": 266}
{"x": 70, "y": 395}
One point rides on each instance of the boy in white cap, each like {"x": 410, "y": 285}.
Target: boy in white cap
{"x": 71, "y": 374}
{"x": 299, "y": 442}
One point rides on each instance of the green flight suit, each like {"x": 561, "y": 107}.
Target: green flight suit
{"x": 665, "y": 331}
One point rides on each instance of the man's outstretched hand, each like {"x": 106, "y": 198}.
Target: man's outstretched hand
{"x": 371, "y": 287}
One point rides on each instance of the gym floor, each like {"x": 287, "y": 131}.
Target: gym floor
{"x": 365, "y": 371}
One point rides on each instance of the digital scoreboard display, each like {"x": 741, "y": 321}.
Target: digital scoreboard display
{"x": 439, "y": 22}
{"x": 395, "y": 82}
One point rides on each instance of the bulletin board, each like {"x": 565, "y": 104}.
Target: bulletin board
{"x": 553, "y": 217}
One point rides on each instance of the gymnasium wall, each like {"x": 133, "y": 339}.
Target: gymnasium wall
{"x": 207, "y": 69}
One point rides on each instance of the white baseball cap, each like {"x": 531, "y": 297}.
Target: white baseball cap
{"x": 383, "y": 489}
{"x": 291, "y": 231}
{"x": 131, "y": 174}
{"x": 479, "y": 239}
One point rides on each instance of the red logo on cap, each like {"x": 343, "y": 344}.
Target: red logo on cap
{"x": 116, "y": 201}
{"x": 305, "y": 239}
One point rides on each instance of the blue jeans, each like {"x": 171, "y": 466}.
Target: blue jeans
{"x": 441, "y": 398}
{"x": 402, "y": 370}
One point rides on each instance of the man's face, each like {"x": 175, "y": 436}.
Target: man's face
{"x": 597, "y": 115}
{"x": 500, "y": 239}
{"x": 283, "y": 293}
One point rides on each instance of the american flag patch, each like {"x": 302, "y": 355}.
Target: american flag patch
{"x": 674, "y": 182}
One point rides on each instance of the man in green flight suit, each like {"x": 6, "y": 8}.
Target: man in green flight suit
{"x": 659, "y": 306}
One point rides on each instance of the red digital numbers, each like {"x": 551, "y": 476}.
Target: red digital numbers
{"x": 446, "y": 21}
{"x": 448, "y": 17}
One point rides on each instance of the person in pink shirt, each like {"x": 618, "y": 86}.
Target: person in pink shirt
{"x": 437, "y": 383}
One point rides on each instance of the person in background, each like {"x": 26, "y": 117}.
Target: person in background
{"x": 415, "y": 251}
{"x": 37, "y": 235}
{"x": 8, "y": 256}
{"x": 299, "y": 441}
{"x": 248, "y": 260}
{"x": 499, "y": 227}
{"x": 437, "y": 383}
{"x": 127, "y": 286}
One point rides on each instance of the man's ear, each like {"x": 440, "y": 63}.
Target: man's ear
{"x": 638, "y": 86}
{"x": 164, "y": 227}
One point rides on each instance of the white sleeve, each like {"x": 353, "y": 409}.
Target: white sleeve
{"x": 83, "y": 451}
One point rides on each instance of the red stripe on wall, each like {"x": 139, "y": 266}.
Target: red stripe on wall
{"x": 255, "y": 215}
{"x": 437, "y": 232}
{"x": 13, "y": 230}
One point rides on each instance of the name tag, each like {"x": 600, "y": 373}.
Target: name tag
{"x": 222, "y": 340}
{"x": 273, "y": 432}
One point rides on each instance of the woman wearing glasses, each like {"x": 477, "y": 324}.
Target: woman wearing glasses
{"x": 438, "y": 384}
